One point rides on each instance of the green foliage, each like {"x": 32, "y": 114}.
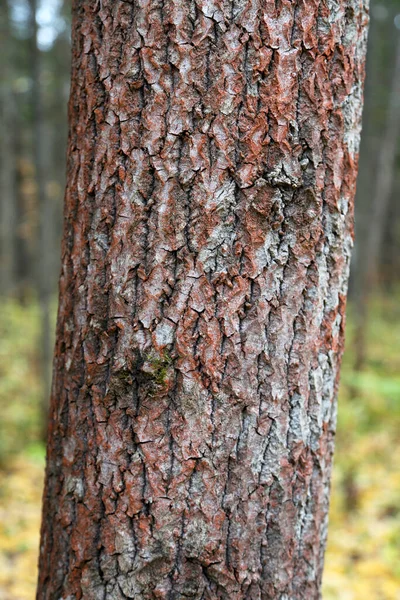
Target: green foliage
{"x": 20, "y": 387}
{"x": 21, "y": 451}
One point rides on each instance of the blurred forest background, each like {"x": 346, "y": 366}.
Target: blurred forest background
{"x": 363, "y": 557}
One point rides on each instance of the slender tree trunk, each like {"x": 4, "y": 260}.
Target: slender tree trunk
{"x": 8, "y": 196}
{"x": 8, "y": 204}
{"x": 379, "y": 211}
{"x": 24, "y": 271}
{"x": 208, "y": 225}
{"x": 392, "y": 240}
{"x": 43, "y": 271}
{"x": 368, "y": 155}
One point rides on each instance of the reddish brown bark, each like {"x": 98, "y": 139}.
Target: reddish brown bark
{"x": 208, "y": 225}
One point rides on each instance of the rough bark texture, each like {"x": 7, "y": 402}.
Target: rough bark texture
{"x": 208, "y": 225}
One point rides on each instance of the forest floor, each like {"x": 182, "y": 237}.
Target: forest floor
{"x": 363, "y": 555}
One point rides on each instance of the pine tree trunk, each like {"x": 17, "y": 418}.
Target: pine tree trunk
{"x": 208, "y": 225}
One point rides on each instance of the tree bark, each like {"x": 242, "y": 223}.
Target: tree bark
{"x": 208, "y": 225}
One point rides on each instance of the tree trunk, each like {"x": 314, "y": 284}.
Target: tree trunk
{"x": 8, "y": 176}
{"x": 208, "y": 225}
{"x": 368, "y": 155}
{"x": 43, "y": 271}
{"x": 380, "y": 206}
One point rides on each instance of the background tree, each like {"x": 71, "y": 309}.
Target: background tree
{"x": 208, "y": 223}
{"x": 380, "y": 207}
{"x": 8, "y": 271}
{"x": 41, "y": 154}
